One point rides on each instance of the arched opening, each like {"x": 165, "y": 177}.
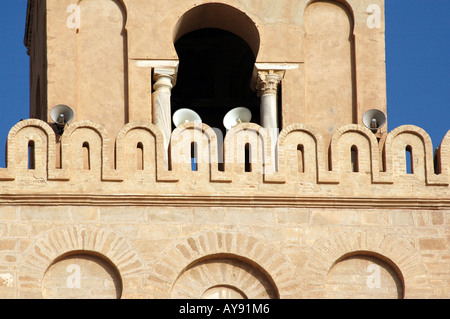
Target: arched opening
{"x": 194, "y": 157}
{"x": 220, "y": 16}
{"x": 301, "y": 158}
{"x": 31, "y": 155}
{"x": 354, "y": 159}
{"x": 214, "y": 75}
{"x": 86, "y": 156}
{"x": 248, "y": 158}
{"x": 140, "y": 156}
{"x": 437, "y": 162}
{"x": 217, "y": 47}
{"x": 409, "y": 160}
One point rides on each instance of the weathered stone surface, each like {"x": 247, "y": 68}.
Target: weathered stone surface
{"x": 102, "y": 211}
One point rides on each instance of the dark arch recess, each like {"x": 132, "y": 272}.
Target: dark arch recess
{"x": 214, "y": 75}
{"x": 217, "y": 46}
{"x": 219, "y": 16}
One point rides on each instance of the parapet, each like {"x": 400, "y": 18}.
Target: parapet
{"x": 300, "y": 168}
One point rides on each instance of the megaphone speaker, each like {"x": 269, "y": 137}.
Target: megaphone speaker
{"x": 236, "y": 116}
{"x": 184, "y": 116}
{"x": 62, "y": 114}
{"x": 374, "y": 120}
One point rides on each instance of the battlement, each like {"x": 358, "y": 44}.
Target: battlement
{"x": 355, "y": 164}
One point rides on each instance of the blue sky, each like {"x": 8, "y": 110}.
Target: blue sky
{"x": 417, "y": 65}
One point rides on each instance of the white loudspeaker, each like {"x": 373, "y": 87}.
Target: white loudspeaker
{"x": 184, "y": 116}
{"x": 236, "y": 116}
{"x": 374, "y": 120}
{"x": 62, "y": 114}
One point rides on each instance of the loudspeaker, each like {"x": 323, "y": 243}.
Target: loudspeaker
{"x": 62, "y": 114}
{"x": 236, "y": 116}
{"x": 374, "y": 120}
{"x": 184, "y": 116}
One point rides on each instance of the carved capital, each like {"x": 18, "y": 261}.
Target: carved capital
{"x": 164, "y": 72}
{"x": 165, "y": 78}
{"x": 268, "y": 81}
{"x": 267, "y": 76}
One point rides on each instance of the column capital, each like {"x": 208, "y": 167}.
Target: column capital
{"x": 164, "y": 71}
{"x": 164, "y": 78}
{"x": 267, "y": 76}
{"x": 267, "y": 82}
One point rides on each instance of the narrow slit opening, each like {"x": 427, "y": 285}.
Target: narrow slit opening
{"x": 248, "y": 164}
{"x": 437, "y": 162}
{"x": 86, "y": 156}
{"x": 140, "y": 156}
{"x": 354, "y": 159}
{"x": 194, "y": 160}
{"x": 301, "y": 158}
{"x": 409, "y": 160}
{"x": 31, "y": 155}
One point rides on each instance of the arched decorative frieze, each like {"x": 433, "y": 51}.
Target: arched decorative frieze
{"x": 152, "y": 141}
{"x": 256, "y": 140}
{"x": 301, "y": 140}
{"x": 300, "y": 154}
{"x": 58, "y": 243}
{"x": 95, "y": 135}
{"x": 443, "y": 160}
{"x": 397, "y": 252}
{"x": 207, "y": 157}
{"x": 418, "y": 142}
{"x": 355, "y": 136}
{"x": 43, "y": 138}
{"x": 235, "y": 250}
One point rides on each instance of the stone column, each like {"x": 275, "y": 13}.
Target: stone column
{"x": 164, "y": 80}
{"x": 267, "y": 88}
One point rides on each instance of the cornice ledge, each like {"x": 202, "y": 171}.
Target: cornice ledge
{"x": 222, "y": 201}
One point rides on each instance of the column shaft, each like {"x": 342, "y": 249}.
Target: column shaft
{"x": 162, "y": 113}
{"x": 267, "y": 86}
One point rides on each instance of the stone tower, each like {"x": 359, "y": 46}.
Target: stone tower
{"x": 302, "y": 200}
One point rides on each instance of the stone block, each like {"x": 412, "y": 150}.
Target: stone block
{"x": 433, "y": 244}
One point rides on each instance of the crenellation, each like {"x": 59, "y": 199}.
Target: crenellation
{"x": 114, "y": 174}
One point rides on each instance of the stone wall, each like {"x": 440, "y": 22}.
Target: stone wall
{"x": 181, "y": 252}
{"x": 113, "y": 208}
{"x": 324, "y": 231}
